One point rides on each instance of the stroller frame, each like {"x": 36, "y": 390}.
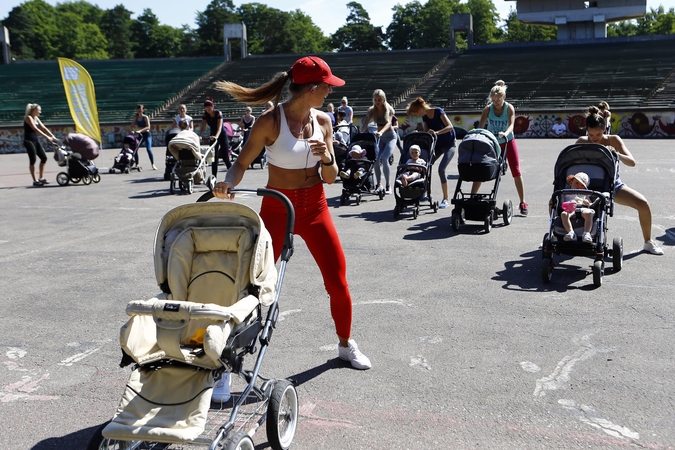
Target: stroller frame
{"x": 278, "y": 396}
{"x": 411, "y": 194}
{"x": 574, "y": 158}
{"x": 480, "y": 207}
{"x": 364, "y": 185}
{"x": 79, "y": 169}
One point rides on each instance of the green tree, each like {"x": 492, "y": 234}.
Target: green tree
{"x": 141, "y": 32}
{"x": 77, "y": 40}
{"x": 116, "y": 27}
{"x": 435, "y": 22}
{"x": 485, "y": 20}
{"x": 403, "y": 30}
{"x": 517, "y": 31}
{"x": 358, "y": 34}
{"x": 32, "y": 27}
{"x": 210, "y": 26}
{"x": 87, "y": 12}
{"x": 307, "y": 37}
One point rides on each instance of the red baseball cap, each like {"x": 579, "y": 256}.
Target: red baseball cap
{"x": 312, "y": 69}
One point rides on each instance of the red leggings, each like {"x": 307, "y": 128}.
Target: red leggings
{"x": 314, "y": 224}
{"x": 512, "y": 157}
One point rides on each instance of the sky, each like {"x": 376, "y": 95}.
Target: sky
{"x": 329, "y": 15}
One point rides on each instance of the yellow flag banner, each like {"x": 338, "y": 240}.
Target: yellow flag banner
{"x": 81, "y": 98}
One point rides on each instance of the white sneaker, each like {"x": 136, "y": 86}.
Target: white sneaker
{"x": 345, "y": 173}
{"x": 652, "y": 247}
{"x": 570, "y": 237}
{"x": 444, "y": 204}
{"x": 221, "y": 391}
{"x": 586, "y": 237}
{"x": 354, "y": 356}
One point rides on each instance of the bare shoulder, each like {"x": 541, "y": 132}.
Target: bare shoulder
{"x": 321, "y": 117}
{"x": 582, "y": 140}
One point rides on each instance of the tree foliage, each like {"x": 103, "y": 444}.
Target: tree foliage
{"x": 358, "y": 34}
{"x": 82, "y": 30}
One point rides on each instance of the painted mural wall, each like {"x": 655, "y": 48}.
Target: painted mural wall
{"x": 630, "y": 124}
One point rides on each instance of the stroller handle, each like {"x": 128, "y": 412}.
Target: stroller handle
{"x": 287, "y": 250}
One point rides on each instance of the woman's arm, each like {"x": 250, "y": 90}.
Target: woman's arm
{"x": 39, "y": 127}
{"x": 512, "y": 120}
{"x": 202, "y": 127}
{"x": 328, "y": 172}
{"x": 147, "y": 125}
{"x": 219, "y": 127}
{"x": 625, "y": 156}
{"x": 448, "y": 125}
{"x": 366, "y": 120}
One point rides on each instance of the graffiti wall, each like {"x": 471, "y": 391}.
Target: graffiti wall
{"x": 625, "y": 124}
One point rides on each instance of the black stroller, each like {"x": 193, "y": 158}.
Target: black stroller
{"x": 219, "y": 306}
{"x": 360, "y": 180}
{"x": 124, "y": 161}
{"x": 479, "y": 158}
{"x": 78, "y": 160}
{"x": 601, "y": 166}
{"x": 170, "y": 160}
{"x": 411, "y": 194}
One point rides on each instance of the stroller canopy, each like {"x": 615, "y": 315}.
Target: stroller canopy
{"x": 185, "y": 140}
{"x": 478, "y": 147}
{"x": 596, "y": 160}
{"x": 84, "y": 145}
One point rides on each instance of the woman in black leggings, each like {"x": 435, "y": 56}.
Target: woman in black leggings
{"x": 32, "y": 129}
{"x": 214, "y": 119}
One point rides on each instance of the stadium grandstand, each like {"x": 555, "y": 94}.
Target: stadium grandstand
{"x": 630, "y": 74}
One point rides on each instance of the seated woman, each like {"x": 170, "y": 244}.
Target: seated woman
{"x": 412, "y": 174}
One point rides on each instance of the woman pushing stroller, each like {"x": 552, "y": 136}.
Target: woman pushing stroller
{"x": 298, "y": 139}
{"x": 596, "y": 126}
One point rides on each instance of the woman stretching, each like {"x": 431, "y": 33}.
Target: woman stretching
{"x": 596, "y": 125}
{"x": 299, "y": 143}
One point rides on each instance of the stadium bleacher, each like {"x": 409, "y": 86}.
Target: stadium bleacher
{"x": 120, "y": 85}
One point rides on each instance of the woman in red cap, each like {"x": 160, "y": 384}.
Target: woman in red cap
{"x": 299, "y": 143}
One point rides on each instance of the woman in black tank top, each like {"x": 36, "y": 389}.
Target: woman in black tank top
{"x": 32, "y": 129}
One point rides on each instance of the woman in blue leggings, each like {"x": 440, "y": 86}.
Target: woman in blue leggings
{"x": 381, "y": 113}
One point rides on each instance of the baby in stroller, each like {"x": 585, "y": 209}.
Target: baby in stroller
{"x": 582, "y": 202}
{"x": 356, "y": 154}
{"x": 412, "y": 173}
{"x": 578, "y": 204}
{"x": 124, "y": 161}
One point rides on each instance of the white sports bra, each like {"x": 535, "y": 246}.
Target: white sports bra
{"x": 289, "y": 152}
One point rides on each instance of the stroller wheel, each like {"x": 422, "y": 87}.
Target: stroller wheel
{"x": 488, "y": 222}
{"x": 282, "y": 415}
{"x": 397, "y": 212}
{"x": 507, "y": 212}
{"x": 239, "y": 441}
{"x": 456, "y": 220}
{"x": 62, "y": 178}
{"x": 546, "y": 269}
{"x": 358, "y": 199}
{"x": 190, "y": 188}
{"x": 86, "y": 179}
{"x": 598, "y": 270}
{"x": 617, "y": 254}
{"x": 111, "y": 170}
{"x": 416, "y": 211}
{"x": 172, "y": 189}
{"x": 75, "y": 180}
{"x": 96, "y": 178}
{"x": 127, "y": 170}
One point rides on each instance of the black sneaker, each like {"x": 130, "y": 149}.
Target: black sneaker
{"x": 37, "y": 183}
{"x": 523, "y": 208}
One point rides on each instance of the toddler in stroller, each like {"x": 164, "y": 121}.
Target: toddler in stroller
{"x": 412, "y": 174}
{"x": 124, "y": 161}
{"x": 582, "y": 172}
{"x": 215, "y": 266}
{"x": 191, "y": 162}
{"x": 78, "y": 160}
{"x": 480, "y": 159}
{"x": 357, "y": 168}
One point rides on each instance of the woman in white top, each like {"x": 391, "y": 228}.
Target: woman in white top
{"x": 298, "y": 139}
{"x": 183, "y": 117}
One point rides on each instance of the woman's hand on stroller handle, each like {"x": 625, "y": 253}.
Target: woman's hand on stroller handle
{"x": 222, "y": 191}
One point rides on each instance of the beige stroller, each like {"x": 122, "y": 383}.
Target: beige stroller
{"x": 215, "y": 266}
{"x": 191, "y": 162}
